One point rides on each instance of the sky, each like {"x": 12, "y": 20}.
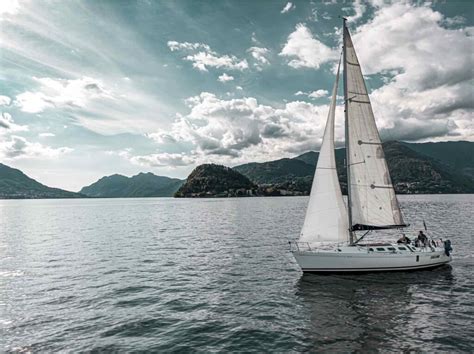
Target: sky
{"x": 93, "y": 88}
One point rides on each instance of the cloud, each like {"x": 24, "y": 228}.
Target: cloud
{"x": 254, "y": 38}
{"x": 306, "y": 51}
{"x": 7, "y": 125}
{"x": 238, "y": 130}
{"x": 426, "y": 93}
{"x": 59, "y": 93}
{"x": 202, "y": 60}
{"x": 103, "y": 108}
{"x": 46, "y": 135}
{"x": 18, "y": 148}
{"x": 288, "y": 7}
{"x": 5, "y": 100}
{"x": 359, "y": 9}
{"x": 409, "y": 40}
{"x": 259, "y": 54}
{"x": 318, "y": 94}
{"x": 314, "y": 94}
{"x": 162, "y": 159}
{"x": 225, "y": 78}
{"x": 9, "y": 7}
{"x": 203, "y": 57}
{"x": 175, "y": 46}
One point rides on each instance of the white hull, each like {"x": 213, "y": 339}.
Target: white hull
{"x": 360, "y": 259}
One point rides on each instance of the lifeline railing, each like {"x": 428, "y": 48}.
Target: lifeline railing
{"x": 295, "y": 245}
{"x": 300, "y": 246}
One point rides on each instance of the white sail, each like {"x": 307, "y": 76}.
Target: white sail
{"x": 373, "y": 200}
{"x": 326, "y": 217}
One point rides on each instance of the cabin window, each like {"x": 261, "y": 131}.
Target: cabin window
{"x": 391, "y": 249}
{"x": 380, "y": 249}
{"x": 371, "y": 249}
{"x": 402, "y": 248}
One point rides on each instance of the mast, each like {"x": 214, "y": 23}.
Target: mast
{"x": 346, "y": 126}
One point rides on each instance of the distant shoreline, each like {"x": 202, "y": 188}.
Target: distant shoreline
{"x": 239, "y": 197}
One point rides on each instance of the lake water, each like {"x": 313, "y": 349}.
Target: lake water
{"x": 216, "y": 275}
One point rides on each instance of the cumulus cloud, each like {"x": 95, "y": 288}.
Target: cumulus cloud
{"x": 59, "y": 93}
{"x": 225, "y": 78}
{"x": 18, "y": 147}
{"x": 318, "y": 94}
{"x": 237, "y": 130}
{"x": 288, "y": 7}
{"x": 314, "y": 94}
{"x": 203, "y": 57}
{"x": 259, "y": 54}
{"x": 426, "y": 93}
{"x": 305, "y": 51}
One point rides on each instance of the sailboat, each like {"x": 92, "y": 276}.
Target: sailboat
{"x": 330, "y": 239}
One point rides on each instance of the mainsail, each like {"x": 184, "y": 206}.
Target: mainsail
{"x": 326, "y": 217}
{"x": 373, "y": 202}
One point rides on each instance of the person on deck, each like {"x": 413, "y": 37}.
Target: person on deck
{"x": 422, "y": 239}
{"x": 404, "y": 239}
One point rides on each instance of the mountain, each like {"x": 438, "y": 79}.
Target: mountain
{"x": 411, "y": 171}
{"x": 14, "y": 184}
{"x": 210, "y": 180}
{"x": 459, "y": 155}
{"x": 141, "y": 185}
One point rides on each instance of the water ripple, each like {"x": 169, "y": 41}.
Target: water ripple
{"x": 171, "y": 275}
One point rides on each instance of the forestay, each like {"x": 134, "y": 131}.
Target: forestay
{"x": 326, "y": 217}
{"x": 373, "y": 200}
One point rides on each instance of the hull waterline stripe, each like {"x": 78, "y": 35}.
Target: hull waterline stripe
{"x": 372, "y": 269}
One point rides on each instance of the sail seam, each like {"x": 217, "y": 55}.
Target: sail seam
{"x": 358, "y": 93}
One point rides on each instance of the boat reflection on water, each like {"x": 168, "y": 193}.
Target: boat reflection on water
{"x": 374, "y": 311}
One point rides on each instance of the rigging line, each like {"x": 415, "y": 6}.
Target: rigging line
{"x": 360, "y": 238}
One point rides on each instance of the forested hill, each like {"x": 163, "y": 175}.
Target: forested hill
{"x": 141, "y": 185}
{"x": 14, "y": 184}
{"x": 412, "y": 171}
{"x": 210, "y": 180}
